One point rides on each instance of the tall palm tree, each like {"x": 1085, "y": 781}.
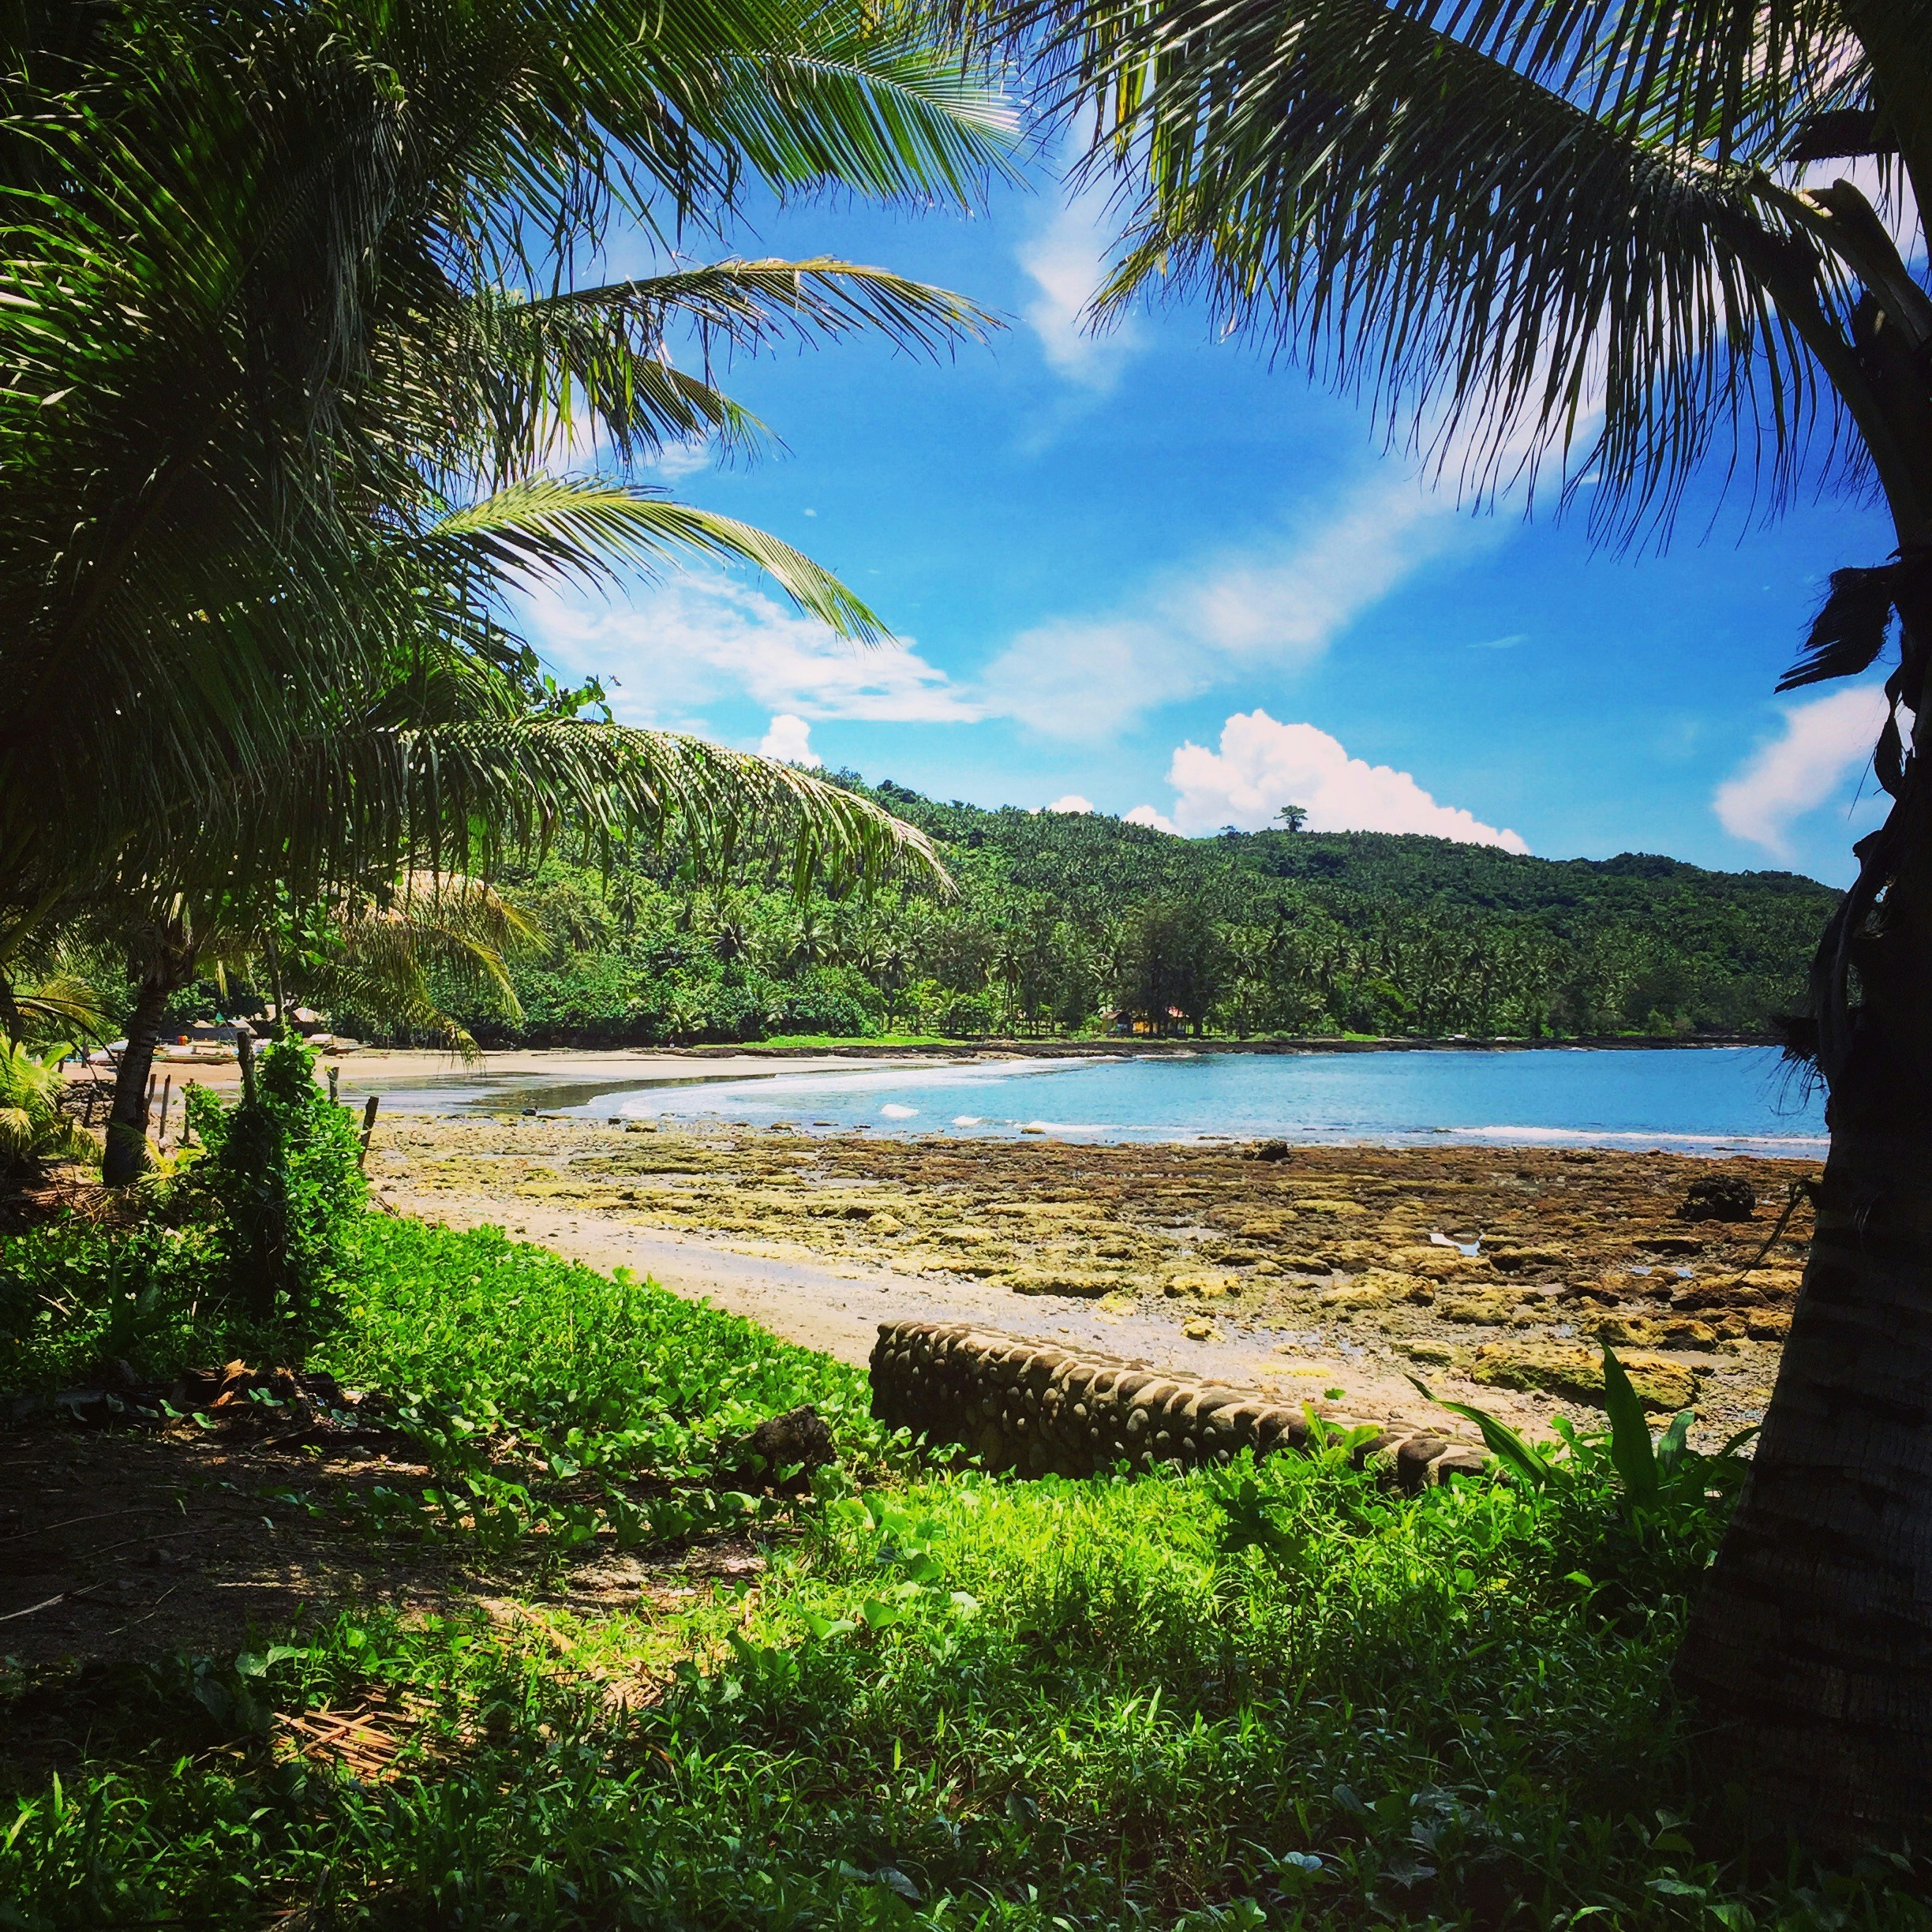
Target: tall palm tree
{"x": 292, "y": 323}
{"x": 1623, "y": 238}
{"x": 293, "y": 319}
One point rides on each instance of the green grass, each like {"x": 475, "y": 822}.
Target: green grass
{"x": 1276, "y": 1697}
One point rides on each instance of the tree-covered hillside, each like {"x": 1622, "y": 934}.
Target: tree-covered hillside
{"x": 1073, "y": 924}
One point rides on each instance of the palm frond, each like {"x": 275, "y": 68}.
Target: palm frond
{"x": 751, "y": 304}
{"x": 542, "y": 528}
{"x": 1479, "y": 214}
{"x": 61, "y": 1000}
{"x": 1850, "y": 629}
{"x": 389, "y": 951}
{"x": 865, "y": 105}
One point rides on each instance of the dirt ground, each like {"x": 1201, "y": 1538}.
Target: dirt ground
{"x": 128, "y": 1540}
{"x": 1329, "y": 1273}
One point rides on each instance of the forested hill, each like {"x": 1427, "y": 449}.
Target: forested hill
{"x": 1070, "y": 924}
{"x": 1085, "y": 859}
{"x": 1383, "y": 932}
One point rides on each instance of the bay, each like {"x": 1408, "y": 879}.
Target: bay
{"x": 1709, "y": 1100}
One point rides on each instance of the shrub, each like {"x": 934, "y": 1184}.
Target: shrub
{"x": 74, "y": 1299}
{"x": 32, "y": 1127}
{"x": 827, "y": 1000}
{"x": 282, "y": 1174}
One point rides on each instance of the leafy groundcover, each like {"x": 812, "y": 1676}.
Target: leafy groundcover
{"x": 917, "y": 1694}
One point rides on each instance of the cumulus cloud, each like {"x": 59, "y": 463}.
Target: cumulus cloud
{"x": 1263, "y": 764}
{"x": 1823, "y": 743}
{"x": 1071, "y": 803}
{"x": 1147, "y": 815}
{"x": 674, "y": 646}
{"x": 1277, "y": 605}
{"x": 1065, "y": 261}
{"x": 789, "y": 740}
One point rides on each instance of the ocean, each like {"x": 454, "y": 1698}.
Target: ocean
{"x": 1707, "y": 1100}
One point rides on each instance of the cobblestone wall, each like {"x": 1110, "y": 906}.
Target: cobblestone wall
{"x": 1030, "y": 1406}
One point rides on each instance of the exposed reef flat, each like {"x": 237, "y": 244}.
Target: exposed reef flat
{"x": 1492, "y": 1273}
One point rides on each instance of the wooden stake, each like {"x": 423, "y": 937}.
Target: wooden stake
{"x": 368, "y": 1124}
{"x": 167, "y": 1092}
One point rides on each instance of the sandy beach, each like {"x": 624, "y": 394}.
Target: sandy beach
{"x": 382, "y": 1068}
{"x": 1333, "y": 1275}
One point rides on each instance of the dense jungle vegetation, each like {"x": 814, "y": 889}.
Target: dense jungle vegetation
{"x": 1067, "y": 923}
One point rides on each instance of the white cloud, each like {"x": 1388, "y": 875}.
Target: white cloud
{"x": 1501, "y": 643}
{"x": 677, "y": 460}
{"x": 1071, "y": 803}
{"x": 1147, "y": 815}
{"x": 1277, "y": 605}
{"x": 1065, "y": 261}
{"x": 1824, "y": 743}
{"x": 789, "y": 741}
{"x": 1263, "y": 764}
{"x": 697, "y": 637}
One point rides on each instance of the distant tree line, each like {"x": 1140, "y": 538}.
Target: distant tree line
{"x": 1066, "y": 924}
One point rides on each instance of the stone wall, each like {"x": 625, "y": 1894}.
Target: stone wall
{"x": 1039, "y": 1409}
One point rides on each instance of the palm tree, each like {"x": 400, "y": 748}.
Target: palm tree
{"x": 291, "y": 322}
{"x": 264, "y": 524}
{"x": 370, "y": 949}
{"x": 1599, "y": 238}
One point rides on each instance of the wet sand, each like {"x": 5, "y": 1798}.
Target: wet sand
{"x": 1491, "y": 1272}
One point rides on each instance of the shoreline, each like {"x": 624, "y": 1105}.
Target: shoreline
{"x": 1051, "y": 1049}
{"x": 751, "y": 1059}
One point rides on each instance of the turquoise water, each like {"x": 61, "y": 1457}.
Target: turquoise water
{"x": 1693, "y": 1100}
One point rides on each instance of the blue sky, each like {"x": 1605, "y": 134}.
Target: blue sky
{"x": 1154, "y": 575}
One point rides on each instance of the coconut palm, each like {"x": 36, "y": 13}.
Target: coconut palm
{"x": 291, "y": 324}
{"x": 1618, "y": 241}
{"x": 292, "y": 321}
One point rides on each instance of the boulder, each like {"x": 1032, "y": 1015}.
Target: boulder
{"x": 801, "y": 1436}
{"x": 1719, "y": 1197}
{"x": 1089, "y": 1284}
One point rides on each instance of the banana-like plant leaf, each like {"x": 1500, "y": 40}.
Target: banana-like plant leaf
{"x": 1631, "y": 1449}
{"x": 1503, "y": 1441}
{"x": 1673, "y": 1442}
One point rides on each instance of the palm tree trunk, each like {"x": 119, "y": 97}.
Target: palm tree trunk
{"x": 168, "y": 966}
{"x": 1809, "y": 1654}
{"x": 126, "y": 1156}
